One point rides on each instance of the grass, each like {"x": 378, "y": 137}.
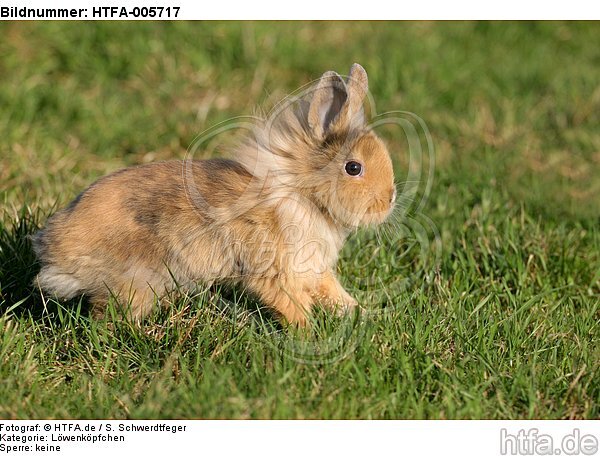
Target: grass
{"x": 492, "y": 310}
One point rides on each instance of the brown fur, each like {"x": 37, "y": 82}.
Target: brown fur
{"x": 273, "y": 220}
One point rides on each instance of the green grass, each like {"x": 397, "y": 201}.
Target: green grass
{"x": 499, "y": 317}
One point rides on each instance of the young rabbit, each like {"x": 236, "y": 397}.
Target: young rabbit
{"x": 272, "y": 220}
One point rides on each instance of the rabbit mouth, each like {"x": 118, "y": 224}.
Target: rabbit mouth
{"x": 377, "y": 213}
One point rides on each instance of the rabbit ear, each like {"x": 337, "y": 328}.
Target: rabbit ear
{"x": 358, "y": 85}
{"x": 329, "y": 103}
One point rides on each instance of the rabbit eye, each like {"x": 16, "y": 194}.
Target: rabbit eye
{"x": 353, "y": 168}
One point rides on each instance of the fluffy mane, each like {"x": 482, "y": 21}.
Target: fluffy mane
{"x": 280, "y": 148}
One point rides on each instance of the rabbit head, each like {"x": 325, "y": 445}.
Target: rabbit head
{"x": 323, "y": 150}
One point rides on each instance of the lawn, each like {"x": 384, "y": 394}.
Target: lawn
{"x": 484, "y": 302}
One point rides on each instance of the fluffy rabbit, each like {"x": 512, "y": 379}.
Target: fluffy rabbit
{"x": 272, "y": 220}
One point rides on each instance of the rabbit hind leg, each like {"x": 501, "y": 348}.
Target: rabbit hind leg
{"x": 131, "y": 303}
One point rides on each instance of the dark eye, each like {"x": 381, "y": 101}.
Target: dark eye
{"x": 353, "y": 168}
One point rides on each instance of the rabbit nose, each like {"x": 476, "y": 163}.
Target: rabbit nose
{"x": 393, "y": 196}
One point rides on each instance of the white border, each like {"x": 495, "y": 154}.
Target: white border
{"x": 290, "y": 438}
{"x": 348, "y": 10}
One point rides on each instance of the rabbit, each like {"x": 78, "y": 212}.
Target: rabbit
{"x": 272, "y": 219}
